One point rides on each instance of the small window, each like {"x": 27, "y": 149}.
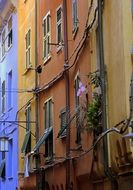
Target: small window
{"x": 28, "y": 118}
{"x": 10, "y": 32}
{"x": 74, "y": 15}
{"x": 9, "y": 89}
{"x": 48, "y": 123}
{"x": 49, "y": 146}
{"x": 28, "y": 49}
{"x": 46, "y": 37}
{"x": 63, "y": 120}
{"x": 26, "y": 147}
{"x": 59, "y": 27}
{"x": 10, "y": 158}
{"x": 77, "y": 104}
{"x": 3, "y": 96}
{"x": 28, "y": 126}
{"x": 3, "y": 43}
{"x": 48, "y": 114}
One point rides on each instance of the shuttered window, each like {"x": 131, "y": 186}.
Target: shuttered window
{"x": 28, "y": 49}
{"x": 74, "y": 15}
{"x": 46, "y": 37}
{"x": 48, "y": 116}
{"x": 59, "y": 27}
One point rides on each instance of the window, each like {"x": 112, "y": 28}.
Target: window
{"x": 46, "y": 37}
{"x": 49, "y": 146}
{"x": 3, "y": 97}
{"x": 28, "y": 119}
{"x": 48, "y": 124}
{"x": 3, "y": 43}
{"x": 26, "y": 147}
{"x": 48, "y": 114}
{"x": 63, "y": 118}
{"x": 74, "y": 15}
{"x": 10, "y": 32}
{"x": 77, "y": 104}
{"x": 59, "y": 27}
{"x": 28, "y": 126}
{"x": 28, "y": 49}
{"x": 9, "y": 89}
{"x": 10, "y": 159}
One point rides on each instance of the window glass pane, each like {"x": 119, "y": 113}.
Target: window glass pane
{"x": 48, "y": 46}
{"x": 9, "y": 89}
{"x": 48, "y": 23}
{"x": 59, "y": 33}
{"x": 44, "y": 27}
{"x": 28, "y": 112}
{"x": 10, "y": 24}
{"x": 59, "y": 14}
{"x": 29, "y": 38}
{"x": 10, "y": 158}
{"x": 45, "y": 42}
{"x": 50, "y": 113}
{"x": 46, "y": 115}
{"x": 74, "y": 7}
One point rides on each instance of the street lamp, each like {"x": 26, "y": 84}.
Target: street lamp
{"x": 3, "y": 143}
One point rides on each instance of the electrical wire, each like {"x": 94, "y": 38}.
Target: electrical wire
{"x": 78, "y": 49}
{"x": 63, "y": 159}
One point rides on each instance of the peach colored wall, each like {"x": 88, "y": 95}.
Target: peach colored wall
{"x": 57, "y": 175}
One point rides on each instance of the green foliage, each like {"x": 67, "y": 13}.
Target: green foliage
{"x": 94, "y": 79}
{"x": 94, "y": 112}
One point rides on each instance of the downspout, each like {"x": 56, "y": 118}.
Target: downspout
{"x": 36, "y": 100}
{"x": 107, "y": 171}
{"x": 66, "y": 76}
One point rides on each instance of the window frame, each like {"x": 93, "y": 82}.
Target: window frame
{"x": 74, "y": 16}
{"x": 48, "y": 146}
{"x": 10, "y": 34}
{"x": 59, "y": 22}
{"x": 28, "y": 64}
{"x": 10, "y": 158}
{"x": 28, "y": 127}
{"x": 50, "y": 124}
{"x": 3, "y": 98}
{"x": 9, "y": 90}
{"x": 46, "y": 37}
{"x": 28, "y": 117}
{"x": 3, "y": 43}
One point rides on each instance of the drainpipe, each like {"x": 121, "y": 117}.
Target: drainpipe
{"x": 38, "y": 182}
{"x": 108, "y": 172}
{"x": 66, "y": 75}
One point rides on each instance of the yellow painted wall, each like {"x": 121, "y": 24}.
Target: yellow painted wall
{"x": 118, "y": 40}
{"x": 26, "y": 78}
{"x": 117, "y": 28}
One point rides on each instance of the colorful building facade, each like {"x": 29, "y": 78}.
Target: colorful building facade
{"x": 26, "y": 84}
{"x": 65, "y": 80}
{"x": 64, "y": 54}
{"x": 9, "y": 93}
